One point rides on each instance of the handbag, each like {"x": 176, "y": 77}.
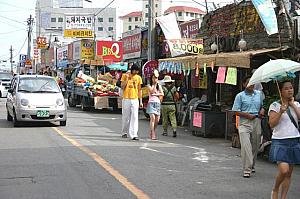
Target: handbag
{"x": 288, "y": 111}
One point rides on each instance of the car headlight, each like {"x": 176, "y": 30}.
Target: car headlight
{"x": 60, "y": 102}
{"x": 24, "y": 102}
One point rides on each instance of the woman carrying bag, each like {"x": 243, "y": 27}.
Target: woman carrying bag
{"x": 285, "y": 147}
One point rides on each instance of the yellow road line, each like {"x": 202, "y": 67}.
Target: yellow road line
{"x": 103, "y": 163}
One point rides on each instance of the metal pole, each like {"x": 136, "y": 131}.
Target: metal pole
{"x": 95, "y": 36}
{"x": 29, "y": 23}
{"x": 11, "y": 57}
{"x": 151, "y": 30}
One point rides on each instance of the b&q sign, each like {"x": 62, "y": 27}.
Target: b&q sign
{"x": 110, "y": 51}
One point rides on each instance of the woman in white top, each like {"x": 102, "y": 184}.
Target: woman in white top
{"x": 285, "y": 148}
{"x": 153, "y": 108}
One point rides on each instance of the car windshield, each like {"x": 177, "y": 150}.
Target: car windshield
{"x": 38, "y": 85}
{"x": 5, "y": 76}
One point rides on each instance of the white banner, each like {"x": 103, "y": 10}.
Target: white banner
{"x": 267, "y": 15}
{"x": 190, "y": 46}
{"x": 169, "y": 26}
{"x": 79, "y": 22}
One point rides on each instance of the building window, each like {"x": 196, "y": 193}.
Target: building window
{"x": 196, "y": 16}
{"x": 146, "y": 15}
{"x": 53, "y": 19}
{"x": 187, "y": 14}
{"x": 60, "y": 19}
{"x": 156, "y": 5}
{"x": 100, "y": 19}
{"x": 110, "y": 19}
{"x": 136, "y": 19}
{"x": 136, "y": 26}
{"x": 60, "y": 28}
{"x": 156, "y": 14}
{"x": 147, "y": 6}
{"x": 53, "y": 27}
{"x": 130, "y": 19}
{"x": 146, "y": 23}
{"x": 129, "y": 27}
{"x": 110, "y": 28}
{"x": 100, "y": 28}
{"x": 179, "y": 14}
{"x": 192, "y": 14}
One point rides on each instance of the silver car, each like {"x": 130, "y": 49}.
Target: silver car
{"x": 35, "y": 98}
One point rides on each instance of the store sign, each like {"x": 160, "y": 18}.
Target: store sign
{"x": 148, "y": 68}
{"x": 186, "y": 46}
{"x": 190, "y": 29}
{"x": 41, "y": 42}
{"x": 77, "y": 50}
{"x": 79, "y": 22}
{"x": 62, "y": 56}
{"x": 132, "y": 44}
{"x": 87, "y": 49}
{"x": 70, "y": 52}
{"x": 110, "y": 51}
{"x": 78, "y": 33}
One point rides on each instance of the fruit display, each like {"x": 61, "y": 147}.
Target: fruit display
{"x": 100, "y": 88}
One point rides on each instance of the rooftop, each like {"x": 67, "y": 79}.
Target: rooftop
{"x": 184, "y": 9}
{"x": 133, "y": 14}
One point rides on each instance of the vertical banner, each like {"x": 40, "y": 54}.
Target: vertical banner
{"x": 267, "y": 15}
{"x": 231, "y": 77}
{"x": 221, "y": 75}
{"x": 169, "y": 26}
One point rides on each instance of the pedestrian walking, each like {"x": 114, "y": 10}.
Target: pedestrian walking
{"x": 248, "y": 106}
{"x": 153, "y": 107}
{"x": 168, "y": 107}
{"x": 285, "y": 147}
{"x": 132, "y": 99}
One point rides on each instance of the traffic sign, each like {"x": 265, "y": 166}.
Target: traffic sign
{"x": 22, "y": 58}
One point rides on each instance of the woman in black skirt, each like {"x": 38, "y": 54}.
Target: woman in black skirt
{"x": 285, "y": 148}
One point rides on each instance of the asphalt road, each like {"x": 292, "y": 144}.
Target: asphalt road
{"x": 88, "y": 159}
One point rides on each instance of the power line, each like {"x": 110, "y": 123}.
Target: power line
{"x": 3, "y": 33}
{"x": 12, "y": 20}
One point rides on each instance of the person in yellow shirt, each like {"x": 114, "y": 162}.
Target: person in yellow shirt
{"x": 132, "y": 99}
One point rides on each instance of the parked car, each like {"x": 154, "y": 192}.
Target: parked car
{"x": 35, "y": 98}
{"x": 5, "y": 79}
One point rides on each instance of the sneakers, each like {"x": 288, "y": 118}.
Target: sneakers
{"x": 164, "y": 133}
{"x": 135, "y": 138}
{"x": 124, "y": 135}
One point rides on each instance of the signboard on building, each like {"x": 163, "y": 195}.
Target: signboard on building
{"x": 22, "y": 59}
{"x": 70, "y": 52}
{"x": 77, "y": 50}
{"x": 87, "y": 49}
{"x": 74, "y": 22}
{"x": 41, "y": 42}
{"x": 111, "y": 51}
{"x": 190, "y": 29}
{"x": 190, "y": 46}
{"x": 132, "y": 44}
{"x": 62, "y": 56}
{"x": 78, "y": 33}
{"x": 148, "y": 68}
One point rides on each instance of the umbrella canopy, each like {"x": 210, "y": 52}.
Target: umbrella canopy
{"x": 273, "y": 70}
{"x": 119, "y": 66}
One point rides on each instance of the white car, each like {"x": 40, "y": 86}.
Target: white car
{"x": 35, "y": 98}
{"x": 3, "y": 90}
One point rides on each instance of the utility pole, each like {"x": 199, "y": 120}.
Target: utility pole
{"x": 151, "y": 30}
{"x": 11, "y": 59}
{"x": 29, "y": 23}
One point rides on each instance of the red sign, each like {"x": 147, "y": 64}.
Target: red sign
{"x": 149, "y": 67}
{"x": 190, "y": 29}
{"x": 41, "y": 42}
{"x": 110, "y": 51}
{"x": 132, "y": 46}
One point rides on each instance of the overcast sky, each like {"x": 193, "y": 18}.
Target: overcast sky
{"x": 14, "y": 13}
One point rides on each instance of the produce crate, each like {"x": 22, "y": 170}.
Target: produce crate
{"x": 101, "y": 102}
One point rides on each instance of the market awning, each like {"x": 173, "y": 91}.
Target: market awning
{"x": 232, "y": 59}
